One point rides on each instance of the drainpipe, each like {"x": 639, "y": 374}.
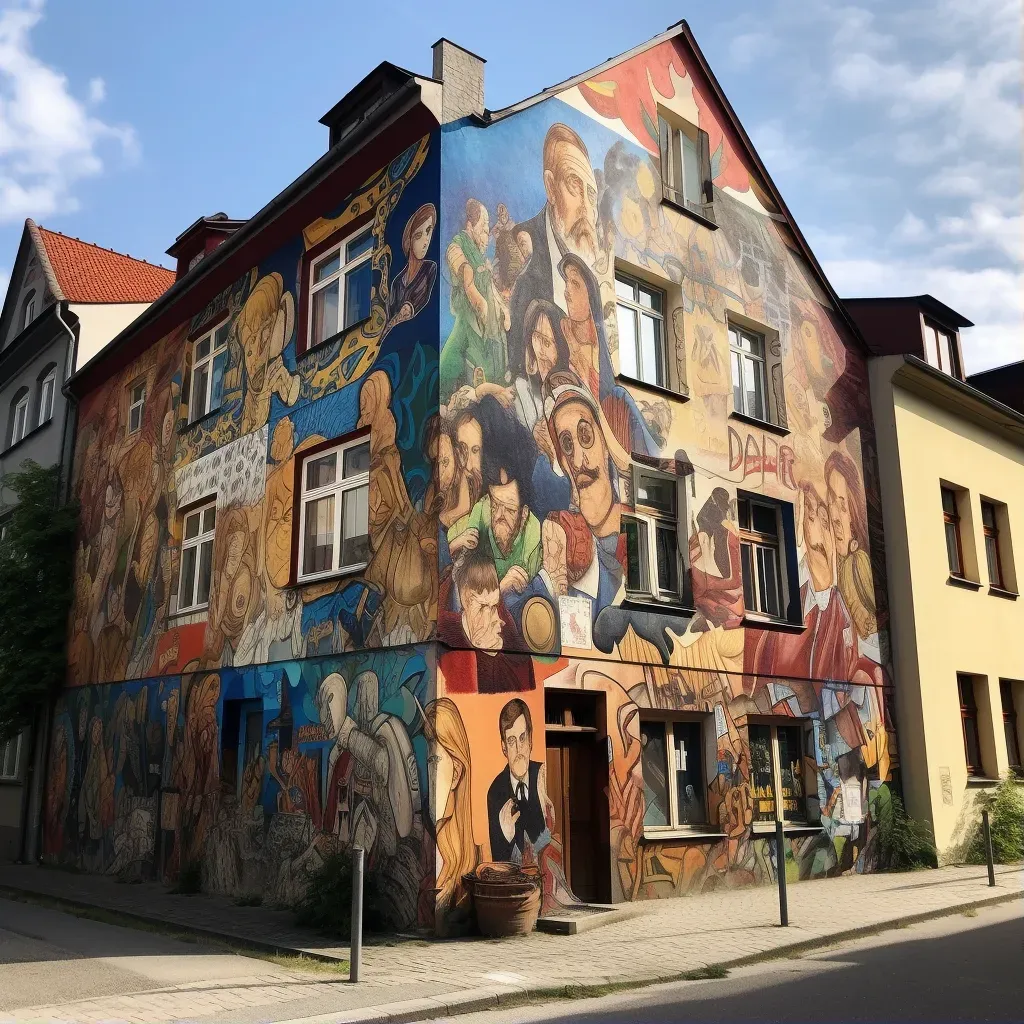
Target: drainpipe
{"x": 37, "y": 767}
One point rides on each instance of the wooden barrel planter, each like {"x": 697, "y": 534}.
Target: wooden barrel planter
{"x": 506, "y": 898}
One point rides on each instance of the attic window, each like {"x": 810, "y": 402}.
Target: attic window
{"x": 686, "y": 168}
{"x": 28, "y": 310}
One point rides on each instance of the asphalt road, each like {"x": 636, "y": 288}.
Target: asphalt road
{"x": 952, "y": 969}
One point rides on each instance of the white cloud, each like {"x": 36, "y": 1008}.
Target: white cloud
{"x": 910, "y": 229}
{"x": 748, "y": 47}
{"x": 97, "y": 90}
{"x": 48, "y": 141}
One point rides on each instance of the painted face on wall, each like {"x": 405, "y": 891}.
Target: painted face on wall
{"x": 516, "y": 745}
{"x": 470, "y": 439}
{"x": 583, "y": 455}
{"x": 480, "y": 618}
{"x": 543, "y": 350}
{"x": 839, "y": 513}
{"x": 819, "y": 543}
{"x": 445, "y": 463}
{"x": 506, "y": 513}
{"x": 572, "y": 192}
{"x": 480, "y": 232}
{"x": 445, "y": 776}
{"x": 419, "y": 243}
{"x": 577, "y": 299}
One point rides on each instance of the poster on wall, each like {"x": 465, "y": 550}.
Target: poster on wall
{"x": 575, "y": 615}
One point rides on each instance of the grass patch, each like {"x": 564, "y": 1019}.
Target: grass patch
{"x": 970, "y": 912}
{"x": 304, "y": 964}
{"x": 711, "y": 972}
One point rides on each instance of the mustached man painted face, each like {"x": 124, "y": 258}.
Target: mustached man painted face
{"x": 583, "y": 456}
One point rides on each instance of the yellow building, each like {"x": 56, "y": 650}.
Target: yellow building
{"x": 951, "y": 462}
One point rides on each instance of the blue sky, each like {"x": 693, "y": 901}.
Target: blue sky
{"x": 892, "y": 129}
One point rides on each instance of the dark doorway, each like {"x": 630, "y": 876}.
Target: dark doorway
{"x": 577, "y": 771}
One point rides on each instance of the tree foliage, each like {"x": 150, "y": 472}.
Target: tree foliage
{"x": 1006, "y": 824}
{"x": 36, "y": 584}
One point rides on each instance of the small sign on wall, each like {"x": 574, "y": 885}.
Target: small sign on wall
{"x": 946, "y": 780}
{"x": 574, "y": 613}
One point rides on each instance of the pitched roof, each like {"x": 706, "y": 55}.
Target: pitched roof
{"x": 90, "y": 273}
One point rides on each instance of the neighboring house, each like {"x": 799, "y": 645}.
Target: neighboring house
{"x": 482, "y": 460}
{"x": 1003, "y": 383}
{"x": 66, "y": 299}
{"x": 951, "y": 460}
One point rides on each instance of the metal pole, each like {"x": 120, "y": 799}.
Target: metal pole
{"x": 356, "y": 949}
{"x": 780, "y": 871}
{"x": 988, "y": 848}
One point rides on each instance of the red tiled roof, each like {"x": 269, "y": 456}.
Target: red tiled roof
{"x": 90, "y": 273}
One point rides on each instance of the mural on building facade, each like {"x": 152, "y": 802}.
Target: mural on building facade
{"x": 538, "y": 437}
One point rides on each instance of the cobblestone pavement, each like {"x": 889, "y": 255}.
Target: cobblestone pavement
{"x": 414, "y": 979}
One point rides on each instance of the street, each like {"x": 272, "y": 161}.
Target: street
{"x": 951, "y": 969}
{"x": 958, "y": 968}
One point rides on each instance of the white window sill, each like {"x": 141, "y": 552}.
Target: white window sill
{"x": 198, "y": 613}
{"x": 767, "y": 828}
{"x": 686, "y": 832}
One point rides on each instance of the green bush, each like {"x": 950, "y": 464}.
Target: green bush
{"x": 327, "y": 902}
{"x": 1005, "y": 808}
{"x": 904, "y": 844}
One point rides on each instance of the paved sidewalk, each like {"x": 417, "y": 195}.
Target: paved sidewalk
{"x": 416, "y": 980}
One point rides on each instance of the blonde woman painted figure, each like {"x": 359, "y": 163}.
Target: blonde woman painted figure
{"x": 452, "y": 809}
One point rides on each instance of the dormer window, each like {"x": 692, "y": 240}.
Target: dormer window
{"x": 940, "y": 350}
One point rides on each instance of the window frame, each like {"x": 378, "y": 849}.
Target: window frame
{"x": 312, "y": 286}
{"x": 218, "y": 339}
{"x": 46, "y": 402}
{"x": 651, "y": 518}
{"x": 753, "y": 539}
{"x": 21, "y": 409}
{"x": 136, "y": 404}
{"x": 953, "y": 519}
{"x": 201, "y": 538}
{"x": 991, "y": 534}
{"x": 28, "y": 309}
{"x": 1011, "y": 730}
{"x": 14, "y": 774}
{"x": 306, "y": 495}
{"x": 639, "y": 311}
{"x": 674, "y": 823}
{"x": 933, "y": 333}
{"x": 969, "y": 721}
{"x": 673, "y": 176}
{"x": 802, "y": 819}
{"x": 738, "y": 359}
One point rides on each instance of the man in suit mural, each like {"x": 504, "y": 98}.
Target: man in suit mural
{"x": 516, "y": 799}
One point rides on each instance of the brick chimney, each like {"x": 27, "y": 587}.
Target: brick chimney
{"x": 461, "y": 74}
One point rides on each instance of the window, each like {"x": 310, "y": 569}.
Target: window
{"x": 136, "y": 403}
{"x": 211, "y": 359}
{"x": 672, "y": 759}
{"x": 20, "y": 427}
{"x": 197, "y": 558}
{"x": 969, "y": 723}
{"x": 749, "y": 379}
{"x": 10, "y": 755}
{"x": 991, "y": 529}
{"x": 652, "y": 547}
{"x": 940, "y": 350}
{"x": 686, "y": 168}
{"x": 339, "y": 290}
{"x": 951, "y": 519}
{"x": 776, "y": 765}
{"x": 28, "y": 310}
{"x": 1010, "y": 726}
{"x": 760, "y": 557}
{"x": 241, "y": 743}
{"x": 47, "y": 386}
{"x": 641, "y": 316}
{"x": 334, "y": 520}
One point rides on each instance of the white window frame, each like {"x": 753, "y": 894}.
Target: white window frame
{"x": 28, "y": 310}
{"x": 136, "y": 406}
{"x": 634, "y": 308}
{"x": 340, "y": 275}
{"x": 672, "y": 767}
{"x": 802, "y": 725}
{"x": 21, "y": 412}
{"x": 940, "y": 348}
{"x": 218, "y": 339}
{"x": 743, "y": 362}
{"x": 47, "y": 390}
{"x": 338, "y": 488}
{"x": 754, "y": 539}
{"x": 648, "y": 519}
{"x": 9, "y": 764}
{"x": 190, "y": 602}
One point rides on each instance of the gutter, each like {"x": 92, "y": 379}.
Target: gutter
{"x": 314, "y": 175}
